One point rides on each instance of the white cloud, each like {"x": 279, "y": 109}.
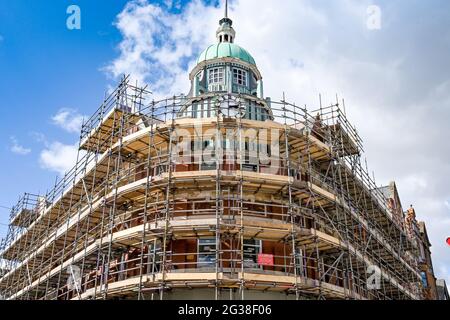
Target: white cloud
{"x": 157, "y": 45}
{"x": 59, "y": 157}
{"x": 17, "y": 148}
{"x": 395, "y": 80}
{"x": 39, "y": 137}
{"x": 171, "y": 4}
{"x": 69, "y": 120}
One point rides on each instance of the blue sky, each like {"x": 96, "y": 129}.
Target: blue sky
{"x": 46, "y": 67}
{"x": 395, "y": 79}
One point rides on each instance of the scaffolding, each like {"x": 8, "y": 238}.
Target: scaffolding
{"x": 144, "y": 215}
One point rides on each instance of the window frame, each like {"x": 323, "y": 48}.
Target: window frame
{"x": 259, "y": 248}
{"x": 424, "y": 278}
{"x": 206, "y": 264}
{"x": 216, "y": 76}
{"x": 240, "y": 77}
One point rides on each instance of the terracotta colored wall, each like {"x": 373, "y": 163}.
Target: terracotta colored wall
{"x": 184, "y": 254}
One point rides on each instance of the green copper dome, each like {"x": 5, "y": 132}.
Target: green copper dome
{"x": 226, "y": 50}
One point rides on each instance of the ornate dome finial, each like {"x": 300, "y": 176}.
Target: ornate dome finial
{"x": 226, "y": 8}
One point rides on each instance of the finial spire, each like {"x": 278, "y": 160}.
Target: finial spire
{"x": 226, "y": 9}
{"x": 226, "y": 32}
{"x": 225, "y": 19}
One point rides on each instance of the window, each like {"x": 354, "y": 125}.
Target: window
{"x": 201, "y": 108}
{"x": 154, "y": 257}
{"x": 265, "y": 115}
{"x": 264, "y": 152}
{"x": 424, "y": 279}
{"x": 258, "y": 113}
{"x": 207, "y": 110}
{"x": 194, "y": 110}
{"x": 216, "y": 76}
{"x": 253, "y": 111}
{"x": 252, "y": 248}
{"x": 240, "y": 77}
{"x": 206, "y": 253}
{"x": 200, "y": 75}
{"x": 422, "y": 252}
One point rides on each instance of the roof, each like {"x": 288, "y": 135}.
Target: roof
{"x": 386, "y": 191}
{"x": 226, "y": 50}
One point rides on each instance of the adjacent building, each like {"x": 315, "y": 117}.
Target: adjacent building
{"x": 426, "y": 264}
{"x": 442, "y": 290}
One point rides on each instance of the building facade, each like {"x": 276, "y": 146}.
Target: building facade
{"x": 442, "y": 290}
{"x": 426, "y": 264}
{"x": 220, "y": 194}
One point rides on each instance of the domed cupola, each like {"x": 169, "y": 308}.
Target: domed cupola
{"x": 225, "y": 69}
{"x": 225, "y": 46}
{"x": 226, "y": 50}
{"x": 225, "y": 66}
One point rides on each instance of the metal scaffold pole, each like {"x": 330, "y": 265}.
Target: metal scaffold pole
{"x": 139, "y": 218}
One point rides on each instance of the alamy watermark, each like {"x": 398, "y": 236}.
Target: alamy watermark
{"x": 258, "y": 147}
{"x": 73, "y": 21}
{"x": 374, "y": 278}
